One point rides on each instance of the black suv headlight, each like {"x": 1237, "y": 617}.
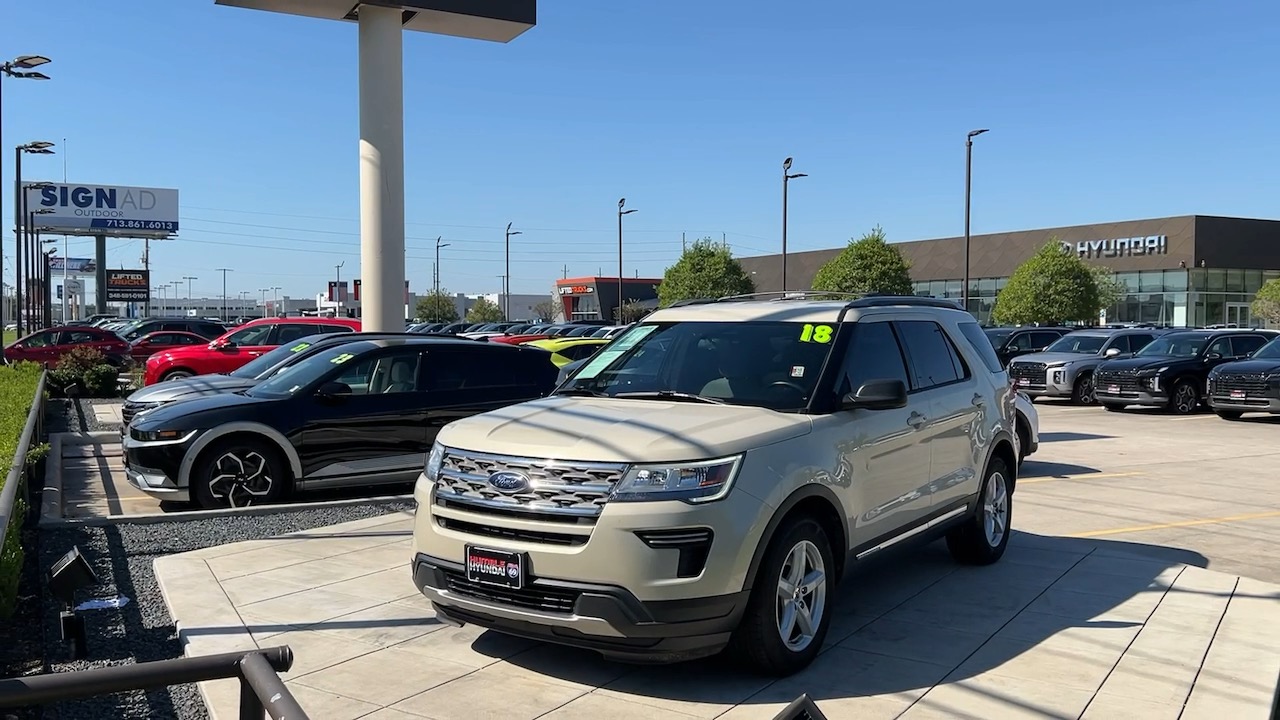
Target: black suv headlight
{"x": 160, "y": 435}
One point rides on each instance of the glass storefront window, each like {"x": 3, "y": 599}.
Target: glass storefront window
{"x": 954, "y": 288}
{"x": 1000, "y": 283}
{"x": 938, "y": 288}
{"x": 1129, "y": 280}
{"x": 1235, "y": 280}
{"x": 1215, "y": 280}
{"x": 1151, "y": 280}
{"x": 1175, "y": 280}
{"x": 987, "y": 287}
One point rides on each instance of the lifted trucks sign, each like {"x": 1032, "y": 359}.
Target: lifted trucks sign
{"x": 128, "y": 285}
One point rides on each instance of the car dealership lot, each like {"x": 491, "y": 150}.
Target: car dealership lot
{"x": 1195, "y": 484}
{"x": 1142, "y": 613}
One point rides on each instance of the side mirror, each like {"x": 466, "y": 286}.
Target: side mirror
{"x": 877, "y": 395}
{"x": 333, "y": 390}
{"x": 1111, "y": 352}
{"x": 1213, "y": 356}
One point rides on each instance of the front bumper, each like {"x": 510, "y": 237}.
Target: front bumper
{"x": 1139, "y": 397}
{"x": 607, "y": 619}
{"x": 153, "y": 467}
{"x": 1246, "y": 404}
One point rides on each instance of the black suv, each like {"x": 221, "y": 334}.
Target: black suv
{"x": 1251, "y": 385}
{"x": 145, "y": 326}
{"x": 1010, "y": 342}
{"x": 356, "y": 414}
{"x": 1171, "y": 371}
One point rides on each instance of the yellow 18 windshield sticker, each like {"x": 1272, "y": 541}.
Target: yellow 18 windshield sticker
{"x": 342, "y": 358}
{"x": 816, "y": 333}
{"x": 299, "y": 347}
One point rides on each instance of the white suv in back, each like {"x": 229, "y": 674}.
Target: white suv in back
{"x": 707, "y": 478}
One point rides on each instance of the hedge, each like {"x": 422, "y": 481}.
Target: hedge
{"x": 17, "y": 391}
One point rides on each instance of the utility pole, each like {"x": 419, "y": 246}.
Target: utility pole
{"x": 435, "y": 302}
{"x": 224, "y": 272}
{"x": 146, "y": 266}
{"x": 337, "y": 288}
{"x": 506, "y": 278}
{"x": 621, "y": 212}
{"x": 189, "y": 278}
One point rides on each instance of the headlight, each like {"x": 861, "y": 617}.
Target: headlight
{"x": 692, "y": 482}
{"x": 161, "y": 435}
{"x": 434, "y": 461}
{"x": 1151, "y": 372}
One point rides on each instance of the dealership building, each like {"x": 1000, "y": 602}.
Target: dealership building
{"x": 1190, "y": 270}
{"x": 596, "y": 298}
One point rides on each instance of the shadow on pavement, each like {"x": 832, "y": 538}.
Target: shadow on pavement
{"x": 1038, "y": 468}
{"x": 1071, "y": 437}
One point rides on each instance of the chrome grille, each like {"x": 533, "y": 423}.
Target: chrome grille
{"x": 131, "y": 409}
{"x": 1025, "y": 374}
{"x": 1249, "y": 383}
{"x": 556, "y": 488}
{"x": 1125, "y": 381}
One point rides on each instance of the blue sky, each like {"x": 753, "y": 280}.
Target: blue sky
{"x": 1099, "y": 111}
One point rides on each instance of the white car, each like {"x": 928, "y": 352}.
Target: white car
{"x": 1028, "y": 426}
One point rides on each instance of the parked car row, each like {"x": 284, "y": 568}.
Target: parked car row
{"x": 1230, "y": 370}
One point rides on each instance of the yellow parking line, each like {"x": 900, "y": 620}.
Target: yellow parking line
{"x": 1086, "y": 476}
{"x": 1184, "y": 523}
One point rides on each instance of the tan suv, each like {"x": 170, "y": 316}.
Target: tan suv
{"x": 708, "y": 477}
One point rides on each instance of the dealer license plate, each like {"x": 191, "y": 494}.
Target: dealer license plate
{"x": 1113, "y": 389}
{"x": 1024, "y": 381}
{"x": 495, "y": 567}
{"x": 1237, "y": 394}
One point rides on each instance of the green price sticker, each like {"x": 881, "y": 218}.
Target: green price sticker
{"x": 816, "y": 333}
{"x": 299, "y": 347}
{"x": 342, "y": 358}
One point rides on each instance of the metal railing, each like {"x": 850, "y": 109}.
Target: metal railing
{"x": 261, "y": 689}
{"x": 15, "y": 481}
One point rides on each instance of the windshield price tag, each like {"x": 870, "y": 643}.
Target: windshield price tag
{"x": 299, "y": 347}
{"x": 342, "y": 358}
{"x": 816, "y": 333}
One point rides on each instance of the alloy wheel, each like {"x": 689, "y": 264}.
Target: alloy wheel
{"x": 1184, "y": 399}
{"x": 995, "y": 510}
{"x": 240, "y": 478}
{"x": 1088, "y": 389}
{"x": 802, "y": 596}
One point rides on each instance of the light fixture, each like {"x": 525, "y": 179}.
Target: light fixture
{"x": 71, "y": 573}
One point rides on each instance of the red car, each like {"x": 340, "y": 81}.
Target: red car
{"x": 517, "y": 339}
{"x": 239, "y": 346}
{"x": 152, "y": 343}
{"x": 48, "y": 346}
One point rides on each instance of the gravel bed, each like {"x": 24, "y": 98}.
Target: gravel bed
{"x": 122, "y": 556}
{"x": 76, "y": 415}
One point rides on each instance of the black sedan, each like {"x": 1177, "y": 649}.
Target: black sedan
{"x": 358, "y": 414}
{"x": 1171, "y": 371}
{"x": 1251, "y": 385}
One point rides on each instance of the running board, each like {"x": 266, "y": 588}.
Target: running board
{"x": 913, "y": 532}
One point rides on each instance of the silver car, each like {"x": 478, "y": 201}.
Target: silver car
{"x": 1065, "y": 368}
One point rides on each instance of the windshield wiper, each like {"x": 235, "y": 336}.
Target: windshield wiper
{"x": 579, "y": 392}
{"x": 670, "y": 395}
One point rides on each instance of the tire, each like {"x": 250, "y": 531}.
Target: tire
{"x": 1185, "y": 399}
{"x": 1083, "y": 392}
{"x": 758, "y": 642}
{"x": 983, "y": 537}
{"x": 1230, "y": 414}
{"x": 1113, "y": 407}
{"x": 176, "y": 375}
{"x": 239, "y": 472}
{"x": 1024, "y": 441}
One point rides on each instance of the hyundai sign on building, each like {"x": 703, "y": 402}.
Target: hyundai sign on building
{"x": 105, "y": 209}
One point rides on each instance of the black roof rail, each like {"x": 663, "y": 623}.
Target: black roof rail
{"x": 874, "y": 300}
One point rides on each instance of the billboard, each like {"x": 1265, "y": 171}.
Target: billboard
{"x": 74, "y": 266}
{"x": 112, "y": 209}
{"x": 128, "y": 285}
{"x": 406, "y": 291}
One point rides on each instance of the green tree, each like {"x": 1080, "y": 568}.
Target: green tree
{"x": 1052, "y": 286}
{"x": 545, "y": 310}
{"x": 1110, "y": 289}
{"x": 867, "y": 265}
{"x": 704, "y": 270}
{"x": 484, "y": 311}
{"x": 437, "y": 307}
{"x": 1267, "y": 303}
{"x": 631, "y": 311}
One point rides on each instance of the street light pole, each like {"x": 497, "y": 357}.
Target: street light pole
{"x": 337, "y": 288}
{"x": 621, "y": 212}
{"x": 224, "y": 272}
{"x": 506, "y": 278}
{"x": 786, "y": 180}
{"x": 275, "y": 301}
{"x": 20, "y": 67}
{"x": 38, "y": 147}
{"x": 436, "y": 292}
{"x": 189, "y": 278}
{"x": 264, "y": 292}
{"x": 176, "y": 285}
{"x": 968, "y": 176}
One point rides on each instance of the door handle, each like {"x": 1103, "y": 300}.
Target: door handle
{"x": 255, "y": 354}
{"x": 916, "y": 420}
{"x": 978, "y": 401}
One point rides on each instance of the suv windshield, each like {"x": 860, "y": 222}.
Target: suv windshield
{"x": 265, "y": 362}
{"x": 1084, "y": 344}
{"x": 773, "y": 365}
{"x": 1176, "y": 345}
{"x": 997, "y": 336}
{"x": 1270, "y": 351}
{"x": 295, "y": 377}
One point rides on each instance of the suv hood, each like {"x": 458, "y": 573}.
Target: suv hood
{"x": 622, "y": 430}
{"x": 1053, "y": 358}
{"x": 196, "y": 386}
{"x": 1241, "y": 367}
{"x": 1132, "y": 364}
{"x": 195, "y": 413}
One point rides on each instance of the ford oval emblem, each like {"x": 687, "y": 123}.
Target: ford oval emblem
{"x": 508, "y": 482}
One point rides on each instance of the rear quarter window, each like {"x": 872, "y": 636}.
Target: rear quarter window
{"x": 980, "y": 344}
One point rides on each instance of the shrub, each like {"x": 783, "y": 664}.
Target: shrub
{"x": 87, "y": 369}
{"x": 17, "y": 392}
{"x": 102, "y": 381}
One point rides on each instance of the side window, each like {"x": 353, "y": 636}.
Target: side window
{"x": 874, "y": 354}
{"x": 77, "y": 337}
{"x": 1121, "y": 343}
{"x": 1020, "y": 341}
{"x": 581, "y": 352}
{"x": 1246, "y": 344}
{"x": 357, "y": 377}
{"x": 331, "y": 329}
{"x": 982, "y": 345}
{"x": 1221, "y": 346}
{"x": 932, "y": 358}
{"x": 39, "y": 340}
{"x": 171, "y": 326}
{"x": 256, "y": 335}
{"x": 189, "y": 340}
{"x": 292, "y": 332}
{"x": 1040, "y": 340}
{"x": 1137, "y": 342}
{"x": 397, "y": 372}
{"x": 470, "y": 370}
{"x": 165, "y": 339}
